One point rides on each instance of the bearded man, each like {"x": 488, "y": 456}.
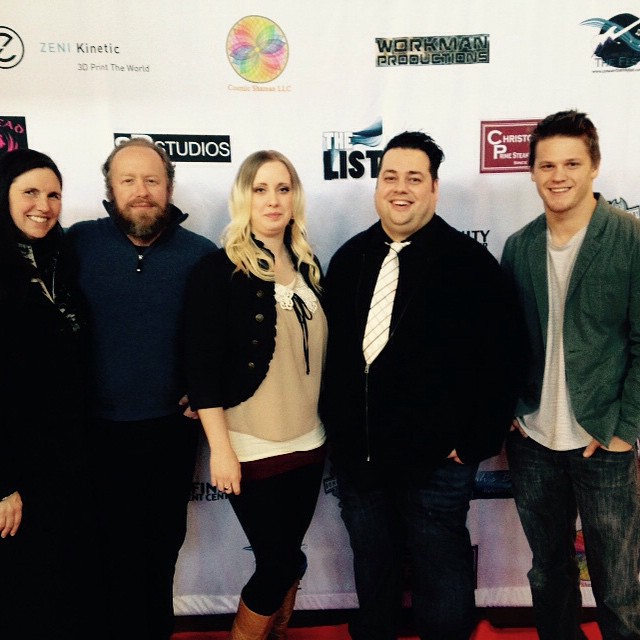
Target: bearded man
{"x": 132, "y": 267}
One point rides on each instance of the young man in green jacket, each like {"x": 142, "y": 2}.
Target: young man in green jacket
{"x": 572, "y": 449}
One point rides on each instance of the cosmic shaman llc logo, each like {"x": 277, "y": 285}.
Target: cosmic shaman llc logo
{"x": 618, "y": 42}
{"x": 11, "y": 48}
{"x": 257, "y": 49}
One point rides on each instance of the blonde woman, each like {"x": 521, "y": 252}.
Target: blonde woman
{"x": 255, "y": 345}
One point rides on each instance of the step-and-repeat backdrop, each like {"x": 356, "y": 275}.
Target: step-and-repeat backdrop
{"x": 327, "y": 83}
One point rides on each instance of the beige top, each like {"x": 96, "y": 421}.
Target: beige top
{"x": 282, "y": 415}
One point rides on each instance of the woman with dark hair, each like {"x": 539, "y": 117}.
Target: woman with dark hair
{"x": 255, "y": 338}
{"x": 47, "y": 578}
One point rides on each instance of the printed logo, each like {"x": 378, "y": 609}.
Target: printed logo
{"x": 13, "y": 133}
{"x": 492, "y": 485}
{"x": 11, "y": 48}
{"x": 479, "y": 235}
{"x": 330, "y": 485}
{"x": 504, "y": 145}
{"x": 432, "y": 50}
{"x": 80, "y": 47}
{"x": 186, "y": 148}
{"x": 621, "y": 203}
{"x": 206, "y": 492}
{"x": 257, "y": 49}
{"x": 341, "y": 161}
{"x": 618, "y": 43}
{"x": 103, "y": 57}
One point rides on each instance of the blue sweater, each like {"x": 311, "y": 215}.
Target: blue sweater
{"x": 135, "y": 311}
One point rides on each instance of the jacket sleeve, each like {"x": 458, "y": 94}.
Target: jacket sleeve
{"x": 499, "y": 362}
{"x": 329, "y": 396}
{"x": 205, "y": 327}
{"x": 8, "y": 472}
{"x": 628, "y": 427}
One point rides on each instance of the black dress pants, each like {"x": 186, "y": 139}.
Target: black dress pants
{"x": 144, "y": 473}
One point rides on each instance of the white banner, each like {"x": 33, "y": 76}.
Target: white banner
{"x": 327, "y": 84}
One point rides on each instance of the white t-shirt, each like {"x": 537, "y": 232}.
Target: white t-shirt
{"x": 554, "y": 424}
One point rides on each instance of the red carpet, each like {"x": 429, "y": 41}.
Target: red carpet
{"x": 484, "y": 631}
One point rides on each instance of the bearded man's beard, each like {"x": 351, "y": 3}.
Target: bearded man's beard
{"x": 145, "y": 226}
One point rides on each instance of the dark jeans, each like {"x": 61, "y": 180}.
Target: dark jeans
{"x": 275, "y": 513}
{"x": 144, "y": 470}
{"x": 431, "y": 521}
{"x": 550, "y": 489}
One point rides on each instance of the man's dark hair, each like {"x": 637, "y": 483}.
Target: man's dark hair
{"x": 420, "y": 141}
{"x": 572, "y": 124}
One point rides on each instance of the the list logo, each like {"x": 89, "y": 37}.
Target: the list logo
{"x": 341, "y": 159}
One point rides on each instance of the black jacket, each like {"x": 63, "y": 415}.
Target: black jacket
{"x": 447, "y": 377}
{"x": 230, "y": 332}
{"x": 42, "y": 382}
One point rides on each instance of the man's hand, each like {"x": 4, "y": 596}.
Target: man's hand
{"x": 188, "y": 411}
{"x": 617, "y": 445}
{"x": 454, "y": 456}
{"x": 10, "y": 514}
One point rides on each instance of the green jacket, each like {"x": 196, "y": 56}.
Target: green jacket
{"x": 601, "y": 321}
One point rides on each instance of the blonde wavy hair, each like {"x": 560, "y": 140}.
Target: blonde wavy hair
{"x": 237, "y": 239}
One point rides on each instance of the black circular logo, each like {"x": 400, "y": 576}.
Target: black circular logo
{"x": 619, "y": 45}
{"x": 11, "y": 48}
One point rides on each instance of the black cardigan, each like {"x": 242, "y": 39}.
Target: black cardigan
{"x": 230, "y": 331}
{"x": 445, "y": 380}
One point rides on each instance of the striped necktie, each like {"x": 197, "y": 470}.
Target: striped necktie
{"x": 376, "y": 332}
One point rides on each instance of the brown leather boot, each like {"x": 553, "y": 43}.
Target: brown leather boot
{"x": 283, "y": 614}
{"x": 249, "y": 625}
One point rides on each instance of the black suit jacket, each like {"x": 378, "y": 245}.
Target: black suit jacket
{"x": 447, "y": 377}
